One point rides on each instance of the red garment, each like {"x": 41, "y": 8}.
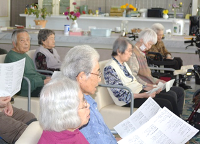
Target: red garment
{"x": 63, "y": 137}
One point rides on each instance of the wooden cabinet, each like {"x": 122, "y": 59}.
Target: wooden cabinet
{"x": 56, "y": 6}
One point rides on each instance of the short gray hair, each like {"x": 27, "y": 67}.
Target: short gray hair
{"x": 121, "y": 45}
{"x": 43, "y": 35}
{"x": 157, "y": 27}
{"x": 59, "y": 102}
{"x": 15, "y": 33}
{"x": 81, "y": 58}
{"x": 148, "y": 35}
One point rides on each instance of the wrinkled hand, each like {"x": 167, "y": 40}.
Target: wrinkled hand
{"x": 47, "y": 80}
{"x": 158, "y": 91}
{"x": 8, "y": 110}
{"x": 149, "y": 85}
{"x": 152, "y": 95}
{"x": 4, "y": 101}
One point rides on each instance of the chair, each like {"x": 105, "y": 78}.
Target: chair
{"x": 112, "y": 114}
{"x": 26, "y": 103}
{"x": 3, "y": 51}
{"x": 31, "y": 135}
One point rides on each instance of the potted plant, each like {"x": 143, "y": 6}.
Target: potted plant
{"x": 40, "y": 14}
{"x": 73, "y": 15}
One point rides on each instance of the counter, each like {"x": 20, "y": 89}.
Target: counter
{"x": 57, "y": 22}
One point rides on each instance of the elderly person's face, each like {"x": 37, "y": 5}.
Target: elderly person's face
{"x": 148, "y": 45}
{"x": 23, "y": 43}
{"x": 88, "y": 84}
{"x": 159, "y": 36}
{"x": 49, "y": 43}
{"x": 83, "y": 110}
{"x": 126, "y": 55}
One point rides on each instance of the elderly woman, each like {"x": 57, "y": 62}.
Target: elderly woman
{"x": 46, "y": 56}
{"x": 21, "y": 43}
{"x": 141, "y": 71}
{"x": 159, "y": 47}
{"x": 117, "y": 72}
{"x": 63, "y": 110}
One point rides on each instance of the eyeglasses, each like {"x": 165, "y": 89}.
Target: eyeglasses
{"x": 99, "y": 74}
{"x": 85, "y": 104}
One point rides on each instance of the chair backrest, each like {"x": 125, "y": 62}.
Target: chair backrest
{"x": 31, "y": 53}
{"x": 31, "y": 135}
{"x": 2, "y": 58}
{"x": 103, "y": 97}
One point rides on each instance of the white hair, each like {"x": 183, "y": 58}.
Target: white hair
{"x": 81, "y": 58}
{"x": 148, "y": 35}
{"x": 59, "y": 102}
{"x": 157, "y": 27}
{"x": 15, "y": 33}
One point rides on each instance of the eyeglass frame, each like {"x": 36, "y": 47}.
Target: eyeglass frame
{"x": 86, "y": 104}
{"x": 99, "y": 74}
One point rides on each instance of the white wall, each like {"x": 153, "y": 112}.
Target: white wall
{"x": 5, "y": 21}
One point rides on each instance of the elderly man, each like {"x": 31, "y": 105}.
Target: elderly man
{"x": 21, "y": 43}
{"x": 81, "y": 64}
{"x": 13, "y": 121}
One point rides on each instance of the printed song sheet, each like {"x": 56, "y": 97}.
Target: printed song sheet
{"x": 143, "y": 114}
{"x": 163, "y": 128}
{"x": 11, "y": 77}
{"x": 162, "y": 86}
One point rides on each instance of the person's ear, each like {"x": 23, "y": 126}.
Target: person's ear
{"x": 81, "y": 77}
{"x": 14, "y": 44}
{"x": 118, "y": 53}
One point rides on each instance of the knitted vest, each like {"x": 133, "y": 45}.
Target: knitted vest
{"x": 126, "y": 81}
{"x": 53, "y": 60}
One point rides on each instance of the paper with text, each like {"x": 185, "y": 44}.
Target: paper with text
{"x": 164, "y": 128}
{"x": 162, "y": 86}
{"x": 144, "y": 113}
{"x": 11, "y": 77}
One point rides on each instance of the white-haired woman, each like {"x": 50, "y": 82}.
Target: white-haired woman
{"x": 117, "y": 72}
{"x": 63, "y": 110}
{"x": 139, "y": 67}
{"x": 159, "y": 47}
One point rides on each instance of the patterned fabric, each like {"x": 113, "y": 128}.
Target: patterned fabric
{"x": 40, "y": 62}
{"x": 112, "y": 78}
{"x": 158, "y": 47}
{"x": 96, "y": 131}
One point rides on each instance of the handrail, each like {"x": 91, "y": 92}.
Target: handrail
{"x": 29, "y": 93}
{"x": 44, "y": 71}
{"x": 157, "y": 68}
{"x": 122, "y": 87}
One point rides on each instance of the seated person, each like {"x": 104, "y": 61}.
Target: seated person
{"x": 117, "y": 72}
{"x": 63, "y": 110}
{"x": 159, "y": 47}
{"x": 139, "y": 67}
{"x": 13, "y": 121}
{"x": 21, "y": 43}
{"x": 81, "y": 64}
{"x": 46, "y": 56}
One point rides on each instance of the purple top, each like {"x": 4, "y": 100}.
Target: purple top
{"x": 63, "y": 137}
